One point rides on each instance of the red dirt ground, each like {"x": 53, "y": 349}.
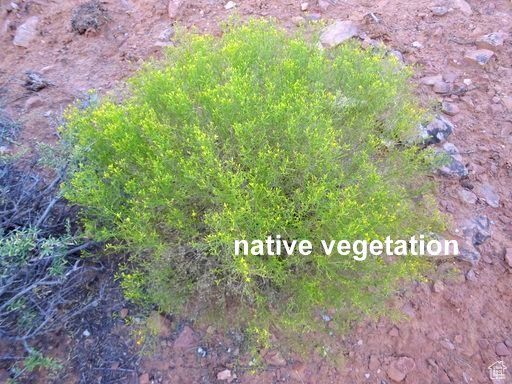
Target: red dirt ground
{"x": 452, "y": 333}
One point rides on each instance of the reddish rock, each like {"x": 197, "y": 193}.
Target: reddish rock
{"x": 449, "y": 108}
{"x": 479, "y": 57}
{"x": 502, "y": 350}
{"x": 186, "y": 339}
{"x": 493, "y": 41}
{"x": 224, "y": 375}
{"x": 144, "y": 378}
{"x": 373, "y": 363}
{"x": 400, "y": 368}
{"x": 338, "y": 32}
{"x": 173, "y": 8}
{"x": 26, "y": 32}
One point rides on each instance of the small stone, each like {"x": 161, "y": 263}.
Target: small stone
{"x": 447, "y": 344}
{"x": 502, "y": 350}
{"x": 144, "y": 378}
{"x": 394, "y": 332}
{"x": 298, "y": 20}
{"x": 489, "y": 194}
{"x": 230, "y": 5}
{"x": 35, "y": 82}
{"x": 437, "y": 131}
{"x": 123, "y": 313}
{"x": 467, "y": 196}
{"x": 507, "y": 102}
{"x": 326, "y": 318}
{"x": 480, "y": 57}
{"x": 493, "y": 41}
{"x": 431, "y": 80}
{"x": 304, "y": 7}
{"x": 458, "y": 339}
{"x": 338, "y": 32}
{"x": 449, "y": 108}
{"x": 86, "y": 333}
{"x": 201, "y": 352}
{"x": 508, "y": 257}
{"x": 442, "y": 88}
{"x": 438, "y": 286}
{"x": 508, "y": 342}
{"x": 400, "y": 368}
{"x": 467, "y": 82}
{"x": 26, "y": 32}
{"x": 481, "y": 230}
{"x": 440, "y": 11}
{"x": 374, "y": 363}
{"x": 417, "y": 44}
{"x": 470, "y": 275}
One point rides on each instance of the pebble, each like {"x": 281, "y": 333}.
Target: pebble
{"x": 417, "y": 45}
{"x": 86, "y": 333}
{"x": 173, "y": 8}
{"x": 501, "y": 349}
{"x": 230, "y": 5}
{"x": 440, "y": 11}
{"x": 202, "y": 352}
{"x": 373, "y": 363}
{"x": 480, "y": 57}
{"x": 493, "y": 41}
{"x": 472, "y": 256}
{"x": 470, "y": 275}
{"x": 144, "y": 378}
{"x": 463, "y": 6}
{"x": 338, "y": 32}
{"x": 447, "y": 344}
{"x": 438, "y": 286}
{"x": 224, "y": 375}
{"x": 186, "y": 339}
{"x": 26, "y": 32}
{"x": 448, "y": 108}
{"x": 304, "y": 7}
{"x": 507, "y": 102}
{"x": 442, "y": 87}
{"x": 400, "y": 368}
{"x": 324, "y": 5}
{"x": 481, "y": 230}
{"x": 508, "y": 257}
{"x": 431, "y": 80}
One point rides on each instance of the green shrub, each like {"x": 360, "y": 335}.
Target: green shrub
{"x": 254, "y": 134}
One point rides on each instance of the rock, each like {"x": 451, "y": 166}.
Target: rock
{"x": 89, "y": 16}
{"x": 166, "y": 34}
{"x": 472, "y": 256}
{"x": 298, "y": 20}
{"x": 201, "y": 352}
{"x": 230, "y": 5}
{"x": 224, "y": 375}
{"x": 33, "y": 102}
{"x": 86, "y": 333}
{"x": 123, "y": 313}
{"x": 338, "y": 32}
{"x": 438, "y": 286}
{"x": 508, "y": 258}
{"x": 398, "y": 55}
{"x": 437, "y": 131}
{"x": 470, "y": 275}
{"x": 508, "y": 342}
{"x": 275, "y": 358}
{"x": 447, "y": 344}
{"x": 481, "y": 230}
{"x": 478, "y": 57}
{"x": 393, "y": 332}
{"x": 26, "y": 32}
{"x": 304, "y": 7}
{"x": 440, "y": 11}
{"x": 35, "y": 81}
{"x": 467, "y": 196}
{"x": 400, "y": 368}
{"x": 417, "y": 45}
{"x": 144, "y": 378}
{"x": 442, "y": 88}
{"x": 489, "y": 194}
{"x": 463, "y": 6}
{"x": 449, "y": 108}
{"x": 186, "y": 339}
{"x": 373, "y": 363}
{"x": 493, "y": 41}
{"x": 502, "y": 350}
{"x": 455, "y": 167}
{"x": 173, "y": 8}
{"x": 431, "y": 80}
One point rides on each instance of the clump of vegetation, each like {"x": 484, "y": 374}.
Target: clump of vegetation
{"x": 254, "y": 134}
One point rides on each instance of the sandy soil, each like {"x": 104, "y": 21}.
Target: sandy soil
{"x": 451, "y": 331}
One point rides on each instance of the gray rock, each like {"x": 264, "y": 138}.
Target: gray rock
{"x": 35, "y": 81}
{"x": 489, "y": 194}
{"x": 493, "y": 41}
{"x": 26, "y": 32}
{"x": 449, "y": 108}
{"x": 463, "y": 6}
{"x": 437, "y": 131}
{"x": 502, "y": 350}
{"x": 469, "y": 255}
{"x": 338, "y": 32}
{"x": 442, "y": 87}
{"x": 479, "y": 57}
{"x": 440, "y": 11}
{"x": 481, "y": 230}
{"x": 455, "y": 166}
